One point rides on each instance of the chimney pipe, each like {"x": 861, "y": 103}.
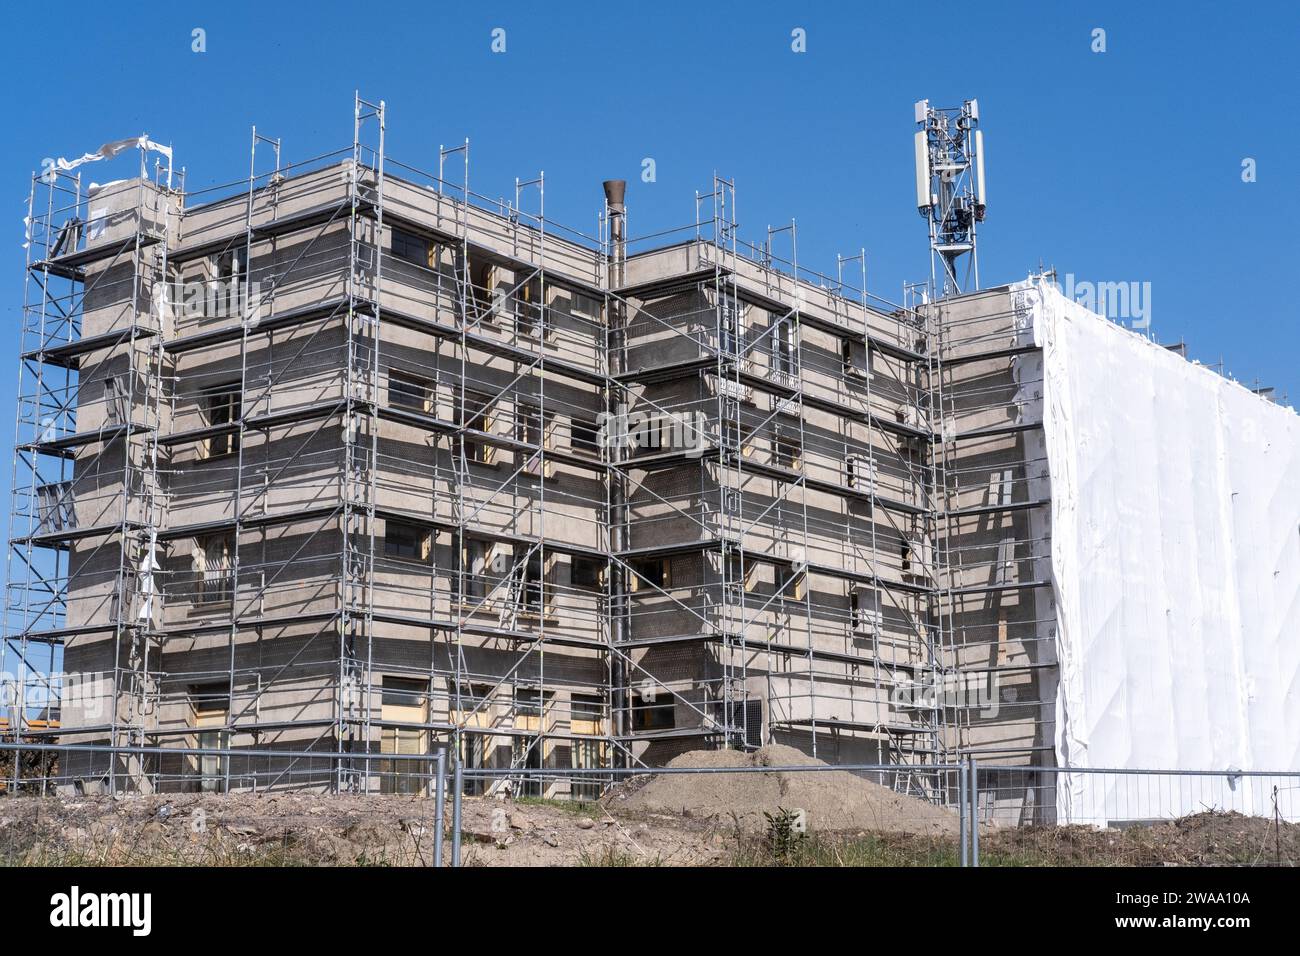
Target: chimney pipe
{"x": 615, "y": 192}
{"x": 615, "y": 196}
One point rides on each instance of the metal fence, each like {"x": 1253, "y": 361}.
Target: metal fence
{"x": 84, "y": 803}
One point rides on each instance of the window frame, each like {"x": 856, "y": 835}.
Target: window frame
{"x": 663, "y": 579}
{"x": 411, "y": 247}
{"x": 420, "y": 548}
{"x": 395, "y": 776}
{"x": 584, "y": 446}
{"x": 596, "y": 582}
{"x": 215, "y": 585}
{"x": 483, "y": 420}
{"x": 530, "y": 312}
{"x": 654, "y": 715}
{"x": 409, "y": 384}
{"x": 217, "y": 414}
{"x": 209, "y": 717}
{"x": 463, "y": 557}
{"x": 849, "y": 359}
{"x": 783, "y": 347}
{"x": 787, "y": 448}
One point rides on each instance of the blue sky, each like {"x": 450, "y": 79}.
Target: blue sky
{"x": 1115, "y": 166}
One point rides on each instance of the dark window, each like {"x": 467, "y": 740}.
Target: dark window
{"x": 476, "y": 414}
{"x": 656, "y": 571}
{"x": 528, "y": 424}
{"x": 730, "y": 434}
{"x": 657, "y": 714}
{"x": 586, "y": 707}
{"x": 408, "y": 391}
{"x": 466, "y": 697}
{"x": 533, "y": 582}
{"x": 584, "y": 436}
{"x": 403, "y": 692}
{"x": 856, "y": 357}
{"x": 528, "y": 703}
{"x": 586, "y": 572}
{"x": 221, "y": 407}
{"x": 412, "y": 248}
{"x": 786, "y": 446}
{"x": 227, "y": 266}
{"x": 406, "y": 541}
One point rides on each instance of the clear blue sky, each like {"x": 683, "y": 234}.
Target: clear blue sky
{"x": 1119, "y": 166}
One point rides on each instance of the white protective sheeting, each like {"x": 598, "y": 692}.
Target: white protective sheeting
{"x": 1175, "y": 523}
{"x": 109, "y": 150}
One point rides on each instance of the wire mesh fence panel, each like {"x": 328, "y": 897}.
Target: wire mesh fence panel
{"x": 733, "y": 808}
{"x": 1050, "y": 816}
{"x": 218, "y": 805}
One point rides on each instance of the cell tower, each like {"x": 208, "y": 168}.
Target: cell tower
{"x": 950, "y": 190}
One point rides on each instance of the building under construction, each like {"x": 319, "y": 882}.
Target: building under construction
{"x": 346, "y": 459}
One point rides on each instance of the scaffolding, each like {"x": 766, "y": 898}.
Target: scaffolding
{"x": 85, "y": 500}
{"x": 389, "y": 502}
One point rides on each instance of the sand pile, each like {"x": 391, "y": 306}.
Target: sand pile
{"x": 832, "y": 800}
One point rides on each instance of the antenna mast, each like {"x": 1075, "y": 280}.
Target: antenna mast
{"x": 950, "y": 190}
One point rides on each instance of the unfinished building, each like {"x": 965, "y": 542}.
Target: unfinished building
{"x": 345, "y": 460}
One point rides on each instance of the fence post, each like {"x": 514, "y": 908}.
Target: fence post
{"x": 961, "y": 813}
{"x": 439, "y": 802}
{"x": 458, "y": 785}
{"x": 974, "y": 789}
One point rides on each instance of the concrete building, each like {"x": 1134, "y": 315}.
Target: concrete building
{"x": 346, "y": 459}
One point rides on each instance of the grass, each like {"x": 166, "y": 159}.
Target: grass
{"x": 579, "y": 808}
{"x": 870, "y": 850}
{"x": 615, "y": 857}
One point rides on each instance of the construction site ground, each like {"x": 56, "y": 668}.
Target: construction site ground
{"x": 660, "y": 820}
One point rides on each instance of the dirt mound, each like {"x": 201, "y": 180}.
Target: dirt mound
{"x": 832, "y": 800}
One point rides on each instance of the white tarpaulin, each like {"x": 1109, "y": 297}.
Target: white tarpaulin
{"x": 1175, "y": 523}
{"x": 109, "y": 150}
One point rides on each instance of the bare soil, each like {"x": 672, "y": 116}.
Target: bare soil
{"x": 663, "y": 819}
{"x": 343, "y": 830}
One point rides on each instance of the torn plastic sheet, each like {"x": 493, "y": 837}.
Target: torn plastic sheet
{"x": 1175, "y": 529}
{"x": 149, "y": 566}
{"x": 109, "y": 150}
